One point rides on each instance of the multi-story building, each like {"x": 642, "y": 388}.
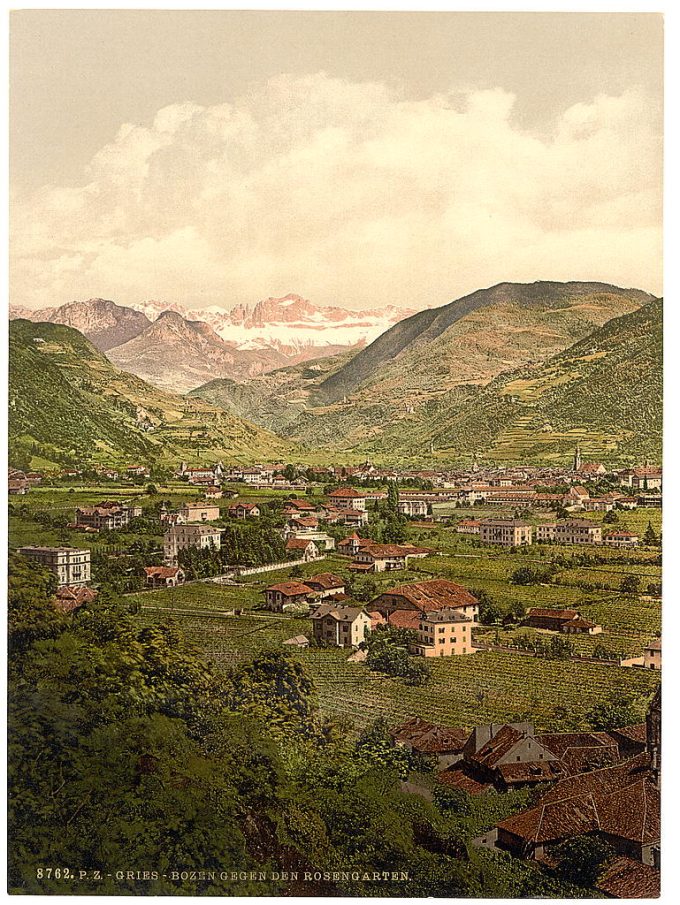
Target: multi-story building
{"x": 652, "y": 655}
{"x": 545, "y": 532}
{"x": 621, "y": 539}
{"x": 182, "y": 537}
{"x": 443, "y": 633}
{"x": 347, "y": 498}
{"x": 505, "y": 532}
{"x": 341, "y": 626}
{"x": 70, "y": 565}
{"x": 413, "y": 508}
{"x": 199, "y": 512}
{"x": 577, "y": 531}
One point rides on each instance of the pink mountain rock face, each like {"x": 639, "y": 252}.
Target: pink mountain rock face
{"x": 297, "y": 328}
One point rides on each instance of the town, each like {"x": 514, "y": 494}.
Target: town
{"x": 524, "y": 608}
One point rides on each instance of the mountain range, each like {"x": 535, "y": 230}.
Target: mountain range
{"x": 517, "y": 372}
{"x": 350, "y": 402}
{"x": 178, "y": 348}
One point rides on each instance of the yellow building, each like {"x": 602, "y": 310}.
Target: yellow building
{"x": 443, "y": 633}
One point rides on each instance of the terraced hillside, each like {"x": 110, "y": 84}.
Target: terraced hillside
{"x": 68, "y": 401}
{"x": 605, "y": 392}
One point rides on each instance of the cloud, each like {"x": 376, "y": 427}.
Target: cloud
{"x": 350, "y": 194}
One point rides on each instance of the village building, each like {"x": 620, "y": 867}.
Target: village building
{"x": 347, "y": 498}
{"x": 325, "y": 584}
{"x": 184, "y": 537}
{"x": 403, "y": 605}
{"x": 341, "y": 626}
{"x": 213, "y": 493}
{"x": 577, "y": 531}
{"x": 351, "y": 545}
{"x": 287, "y": 594}
{"x": 545, "y": 532}
{"x": 107, "y": 516}
{"x": 505, "y": 532}
{"x": 137, "y": 471}
{"x": 244, "y": 510}
{"x": 568, "y": 622}
{"x": 430, "y": 740}
{"x": 71, "y": 566}
{"x": 302, "y": 548}
{"x": 298, "y": 507}
{"x": 353, "y": 518}
{"x": 300, "y": 641}
{"x": 443, "y": 633}
{"x": 468, "y": 526}
{"x": 652, "y": 655}
{"x": 163, "y": 576}
{"x": 645, "y": 477}
{"x": 199, "y": 512}
{"x": 68, "y": 599}
{"x": 575, "y": 497}
{"x": 386, "y": 557}
{"x": 412, "y": 508}
{"x": 17, "y": 482}
{"x": 621, "y": 539}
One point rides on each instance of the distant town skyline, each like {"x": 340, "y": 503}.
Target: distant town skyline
{"x": 358, "y": 159}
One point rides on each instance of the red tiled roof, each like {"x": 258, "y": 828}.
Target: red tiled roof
{"x": 498, "y": 746}
{"x": 68, "y": 599}
{"x": 346, "y": 493}
{"x": 554, "y": 614}
{"x": 326, "y": 580}
{"x": 459, "y": 777}
{"x": 298, "y": 543}
{"x": 161, "y": 571}
{"x": 626, "y": 878}
{"x": 404, "y": 619}
{"x": 433, "y": 595}
{"x": 291, "y": 588}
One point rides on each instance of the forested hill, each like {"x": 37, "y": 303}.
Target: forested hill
{"x": 68, "y": 401}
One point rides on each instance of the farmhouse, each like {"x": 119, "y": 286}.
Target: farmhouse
{"x": 199, "y": 512}
{"x": 244, "y": 510}
{"x": 347, "y": 498}
{"x": 163, "y": 576}
{"x": 342, "y": 626}
{"x": 71, "y": 566}
{"x": 511, "y": 757}
{"x": 302, "y": 548}
{"x": 443, "y": 633}
{"x": 298, "y": 507}
{"x": 279, "y": 597}
{"x": 506, "y": 532}
{"x": 385, "y": 557}
{"x": 566, "y": 621}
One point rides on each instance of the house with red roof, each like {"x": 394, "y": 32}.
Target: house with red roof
{"x": 286, "y": 594}
{"x": 163, "y": 576}
{"x": 347, "y": 497}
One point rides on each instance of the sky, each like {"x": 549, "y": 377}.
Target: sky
{"x": 357, "y": 159}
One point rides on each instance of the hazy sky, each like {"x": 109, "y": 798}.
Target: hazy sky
{"x": 354, "y": 158}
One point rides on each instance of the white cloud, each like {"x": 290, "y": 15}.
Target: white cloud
{"x": 349, "y": 194}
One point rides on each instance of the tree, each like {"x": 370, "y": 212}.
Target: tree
{"x": 649, "y": 538}
{"x": 630, "y": 584}
{"x": 615, "y": 712}
{"x": 610, "y": 517}
{"x": 151, "y": 489}
{"x": 580, "y": 860}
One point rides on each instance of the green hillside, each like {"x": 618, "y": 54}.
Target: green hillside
{"x": 605, "y": 391}
{"x": 69, "y": 403}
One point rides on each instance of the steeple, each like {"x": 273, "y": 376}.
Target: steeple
{"x": 577, "y": 457}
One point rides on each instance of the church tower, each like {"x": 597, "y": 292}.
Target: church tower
{"x": 577, "y": 457}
